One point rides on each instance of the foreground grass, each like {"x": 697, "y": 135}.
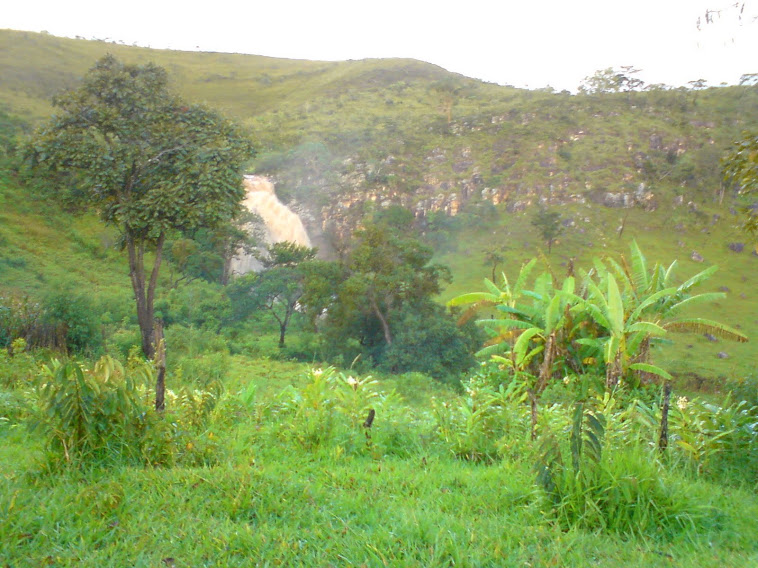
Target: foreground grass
{"x": 403, "y": 500}
{"x": 315, "y": 510}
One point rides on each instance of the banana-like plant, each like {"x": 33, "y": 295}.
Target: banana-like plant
{"x": 611, "y": 314}
{"x": 622, "y": 329}
{"x": 647, "y": 306}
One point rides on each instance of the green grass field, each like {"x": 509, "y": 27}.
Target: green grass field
{"x": 266, "y": 498}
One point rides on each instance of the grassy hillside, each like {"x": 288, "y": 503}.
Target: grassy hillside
{"x": 342, "y": 138}
{"x": 262, "y": 460}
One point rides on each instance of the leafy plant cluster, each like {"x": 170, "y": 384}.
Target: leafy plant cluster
{"x": 595, "y": 464}
{"x": 101, "y": 414}
{"x": 605, "y": 321}
{"x": 65, "y": 319}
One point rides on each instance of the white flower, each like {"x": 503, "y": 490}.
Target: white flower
{"x": 681, "y": 402}
{"x": 317, "y": 372}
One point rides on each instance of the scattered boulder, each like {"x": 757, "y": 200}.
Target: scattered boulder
{"x": 723, "y": 355}
{"x": 736, "y": 247}
{"x": 724, "y": 289}
{"x": 743, "y": 296}
{"x": 696, "y": 256}
{"x": 710, "y": 337}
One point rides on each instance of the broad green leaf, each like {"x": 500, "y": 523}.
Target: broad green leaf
{"x": 692, "y": 300}
{"x": 653, "y": 369}
{"x": 698, "y": 278}
{"x": 649, "y": 301}
{"x": 471, "y": 298}
{"x": 522, "y": 343}
{"x": 615, "y": 307}
{"x": 646, "y": 327}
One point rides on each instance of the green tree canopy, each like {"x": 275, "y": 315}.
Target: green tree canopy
{"x": 148, "y": 162}
{"x": 145, "y": 160}
{"x": 549, "y": 225}
{"x": 741, "y": 169}
{"x": 292, "y": 279}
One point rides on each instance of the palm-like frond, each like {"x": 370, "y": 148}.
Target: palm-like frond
{"x": 700, "y": 325}
{"x": 693, "y": 300}
{"x": 648, "y": 368}
{"x": 640, "y": 277}
{"x": 698, "y": 278}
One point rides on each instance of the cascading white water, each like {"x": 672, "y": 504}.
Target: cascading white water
{"x": 282, "y": 224}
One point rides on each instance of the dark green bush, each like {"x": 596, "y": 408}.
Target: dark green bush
{"x": 430, "y": 342}
{"x": 74, "y": 318}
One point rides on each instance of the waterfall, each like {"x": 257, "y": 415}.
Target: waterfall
{"x": 282, "y": 224}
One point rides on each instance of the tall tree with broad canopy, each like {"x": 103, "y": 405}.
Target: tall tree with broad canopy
{"x": 147, "y": 161}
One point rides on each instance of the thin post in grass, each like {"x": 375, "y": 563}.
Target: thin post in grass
{"x": 663, "y": 438}
{"x": 367, "y": 426}
{"x": 160, "y": 363}
{"x": 533, "y": 401}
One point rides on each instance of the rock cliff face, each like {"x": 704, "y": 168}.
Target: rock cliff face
{"x": 642, "y": 150}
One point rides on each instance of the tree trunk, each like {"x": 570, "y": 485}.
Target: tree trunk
{"x": 546, "y": 369}
{"x": 144, "y": 291}
{"x": 226, "y": 271}
{"x": 383, "y": 321}
{"x": 613, "y": 373}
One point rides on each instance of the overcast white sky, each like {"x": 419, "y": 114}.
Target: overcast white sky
{"x": 522, "y": 43}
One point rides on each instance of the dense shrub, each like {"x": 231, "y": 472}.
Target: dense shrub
{"x": 431, "y": 343}
{"x": 104, "y": 414}
{"x": 74, "y": 317}
{"x": 88, "y": 414}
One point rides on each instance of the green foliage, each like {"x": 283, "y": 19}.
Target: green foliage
{"x": 604, "y": 324}
{"x": 332, "y": 408}
{"x": 73, "y": 316}
{"x": 145, "y": 160}
{"x": 291, "y": 278}
{"x": 718, "y": 440}
{"x": 484, "y": 424}
{"x": 549, "y": 225}
{"x": 740, "y": 168}
{"x": 624, "y": 492}
{"x": 383, "y": 313}
{"x": 122, "y": 129}
{"x": 17, "y": 365}
{"x": 89, "y": 414}
{"x": 427, "y": 341}
{"x": 20, "y": 317}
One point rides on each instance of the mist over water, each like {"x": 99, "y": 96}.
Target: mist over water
{"x": 282, "y": 224}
